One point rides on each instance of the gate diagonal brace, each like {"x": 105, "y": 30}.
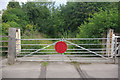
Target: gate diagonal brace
{"x": 86, "y": 49}
{"x": 40, "y": 49}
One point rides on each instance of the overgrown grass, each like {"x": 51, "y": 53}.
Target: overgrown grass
{"x": 39, "y": 36}
{"x": 36, "y": 36}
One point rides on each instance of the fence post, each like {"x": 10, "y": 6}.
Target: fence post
{"x": 11, "y": 45}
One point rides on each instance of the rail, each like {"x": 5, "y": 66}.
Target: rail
{"x": 67, "y": 39}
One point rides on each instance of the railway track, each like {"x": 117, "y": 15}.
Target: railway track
{"x": 76, "y": 65}
{"x": 79, "y": 70}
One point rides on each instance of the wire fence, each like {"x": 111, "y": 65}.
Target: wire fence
{"x": 4, "y": 48}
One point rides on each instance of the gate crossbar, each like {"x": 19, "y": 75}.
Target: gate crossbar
{"x": 86, "y": 49}
{"x": 40, "y": 49}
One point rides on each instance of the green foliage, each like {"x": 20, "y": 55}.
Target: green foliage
{"x": 38, "y": 14}
{"x": 13, "y": 5}
{"x": 44, "y": 63}
{"x": 75, "y": 19}
{"x": 74, "y": 14}
{"x": 100, "y": 24}
{"x": 14, "y": 17}
{"x": 5, "y": 26}
{"x": 9, "y": 17}
{"x": 62, "y": 21}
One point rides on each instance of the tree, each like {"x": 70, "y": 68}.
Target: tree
{"x": 100, "y": 24}
{"x": 76, "y": 13}
{"x": 13, "y": 5}
{"x": 5, "y": 26}
{"x": 38, "y": 14}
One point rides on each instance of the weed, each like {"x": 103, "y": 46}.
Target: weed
{"x": 44, "y": 63}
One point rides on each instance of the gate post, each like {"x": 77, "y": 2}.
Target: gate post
{"x": 109, "y": 43}
{"x": 11, "y": 45}
{"x": 18, "y": 36}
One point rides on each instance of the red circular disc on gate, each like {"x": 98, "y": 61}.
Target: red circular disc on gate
{"x": 60, "y": 47}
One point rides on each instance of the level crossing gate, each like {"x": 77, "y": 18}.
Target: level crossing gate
{"x": 77, "y": 48}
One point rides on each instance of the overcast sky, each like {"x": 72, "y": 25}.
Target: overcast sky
{"x": 3, "y": 3}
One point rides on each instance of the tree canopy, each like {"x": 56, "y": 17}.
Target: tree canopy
{"x": 75, "y": 19}
{"x": 99, "y": 24}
